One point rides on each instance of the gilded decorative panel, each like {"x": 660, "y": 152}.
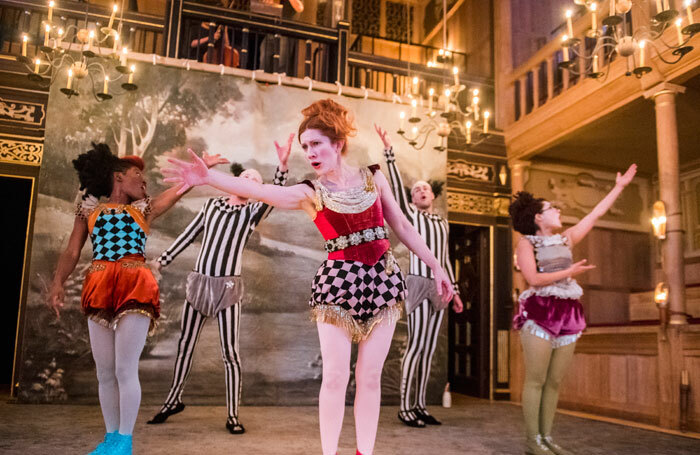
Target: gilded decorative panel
{"x": 20, "y": 152}
{"x": 465, "y": 171}
{"x": 478, "y": 204}
{"x": 21, "y": 112}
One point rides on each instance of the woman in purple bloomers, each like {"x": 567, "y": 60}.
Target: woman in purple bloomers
{"x": 550, "y": 317}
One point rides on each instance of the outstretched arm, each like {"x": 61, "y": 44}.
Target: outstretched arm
{"x": 394, "y": 174}
{"x": 66, "y": 264}
{"x": 576, "y": 233}
{"x": 410, "y": 237}
{"x": 185, "y": 239}
{"x": 165, "y": 200}
{"x": 188, "y": 174}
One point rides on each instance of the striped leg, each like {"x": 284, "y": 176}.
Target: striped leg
{"x": 190, "y": 328}
{"x": 416, "y": 344}
{"x": 431, "y": 338}
{"x": 229, "y": 329}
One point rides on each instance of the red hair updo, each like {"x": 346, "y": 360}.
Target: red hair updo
{"x": 329, "y": 117}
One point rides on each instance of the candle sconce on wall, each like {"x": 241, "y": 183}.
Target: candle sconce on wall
{"x": 661, "y": 300}
{"x": 658, "y": 220}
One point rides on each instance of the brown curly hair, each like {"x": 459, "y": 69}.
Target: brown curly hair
{"x": 329, "y": 117}
{"x": 523, "y": 210}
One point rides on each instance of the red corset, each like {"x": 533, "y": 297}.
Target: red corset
{"x": 333, "y": 224}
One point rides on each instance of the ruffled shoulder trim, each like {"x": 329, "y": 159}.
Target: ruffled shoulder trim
{"x": 539, "y": 241}
{"x": 85, "y": 205}
{"x": 143, "y": 205}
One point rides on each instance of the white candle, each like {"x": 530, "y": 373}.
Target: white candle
{"x": 37, "y": 62}
{"x": 105, "y": 86}
{"x": 431, "y": 92}
{"x": 131, "y": 74}
{"x": 642, "y": 45}
{"x": 51, "y": 5}
{"x": 612, "y": 8}
{"x": 116, "y": 43}
{"x": 47, "y": 29}
{"x": 91, "y": 36}
{"x": 659, "y": 8}
{"x": 59, "y": 37}
{"x": 689, "y": 10}
{"x": 469, "y": 132}
{"x": 679, "y": 21}
{"x": 123, "y": 58}
{"x": 594, "y": 16}
{"x": 455, "y": 73}
{"x": 414, "y": 107}
{"x": 447, "y": 99}
{"x": 486, "y": 122}
{"x": 414, "y": 87}
{"x": 569, "y": 25}
{"x": 565, "y": 48}
{"x": 595, "y": 63}
{"x": 70, "y": 79}
{"x": 111, "y": 18}
{"x": 24, "y": 45}
{"x": 402, "y": 115}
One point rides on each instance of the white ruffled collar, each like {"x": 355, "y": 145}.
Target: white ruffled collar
{"x": 548, "y": 240}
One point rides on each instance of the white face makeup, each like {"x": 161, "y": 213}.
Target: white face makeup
{"x": 549, "y": 217}
{"x": 252, "y": 174}
{"x": 322, "y": 154}
{"x": 422, "y": 195}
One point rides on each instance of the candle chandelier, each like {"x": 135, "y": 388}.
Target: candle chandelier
{"x": 468, "y": 120}
{"x": 633, "y": 42}
{"x": 88, "y": 68}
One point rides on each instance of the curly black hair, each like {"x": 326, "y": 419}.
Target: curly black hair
{"x": 523, "y": 210}
{"x": 237, "y": 169}
{"x": 96, "y": 168}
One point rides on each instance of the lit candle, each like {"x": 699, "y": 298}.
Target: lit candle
{"x": 414, "y": 106}
{"x": 659, "y": 8}
{"x": 111, "y": 18}
{"x": 642, "y": 45}
{"x": 447, "y": 99}
{"x": 70, "y": 79}
{"x": 47, "y": 29}
{"x": 689, "y": 10}
{"x": 569, "y": 24}
{"x": 131, "y": 74}
{"x": 414, "y": 131}
{"x": 431, "y": 92}
{"x": 402, "y": 115}
{"x": 595, "y": 63}
{"x": 469, "y": 132}
{"x": 24, "y": 45}
{"x": 51, "y": 5}
{"x": 105, "y": 86}
{"x": 441, "y": 52}
{"x": 116, "y": 43}
{"x": 455, "y": 73}
{"x": 486, "y": 122}
{"x": 91, "y": 36}
{"x": 59, "y": 37}
{"x": 612, "y": 7}
{"x": 123, "y": 58}
{"x": 679, "y": 21}
{"x": 594, "y": 16}
{"x": 565, "y": 48}
{"x": 37, "y": 62}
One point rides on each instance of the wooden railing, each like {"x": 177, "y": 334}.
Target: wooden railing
{"x": 140, "y": 32}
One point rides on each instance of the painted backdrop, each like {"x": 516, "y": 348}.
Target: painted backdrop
{"x": 175, "y": 109}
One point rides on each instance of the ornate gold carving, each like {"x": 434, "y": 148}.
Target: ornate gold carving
{"x": 477, "y": 204}
{"x": 21, "y": 112}
{"x": 20, "y": 152}
{"x": 463, "y": 170}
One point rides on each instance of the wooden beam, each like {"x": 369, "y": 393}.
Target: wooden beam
{"x": 438, "y": 27}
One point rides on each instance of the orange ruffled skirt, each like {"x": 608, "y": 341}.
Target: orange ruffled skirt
{"x": 113, "y": 289}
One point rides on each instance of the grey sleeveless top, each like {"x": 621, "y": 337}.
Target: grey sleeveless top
{"x": 552, "y": 254}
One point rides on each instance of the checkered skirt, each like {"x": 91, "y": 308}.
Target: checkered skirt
{"x": 360, "y": 290}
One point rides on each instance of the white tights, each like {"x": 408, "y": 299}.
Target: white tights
{"x": 335, "y": 351}
{"x": 116, "y": 354}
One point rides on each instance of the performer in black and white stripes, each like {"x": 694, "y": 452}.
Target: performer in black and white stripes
{"x": 424, "y": 307}
{"x": 215, "y": 287}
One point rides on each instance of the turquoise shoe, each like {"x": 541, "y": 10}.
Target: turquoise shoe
{"x": 105, "y": 447}
{"x": 122, "y": 445}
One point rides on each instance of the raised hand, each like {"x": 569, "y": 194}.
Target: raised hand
{"x": 579, "y": 267}
{"x": 383, "y": 135}
{"x": 187, "y": 173}
{"x": 284, "y": 150}
{"x": 626, "y": 178}
{"x": 213, "y": 160}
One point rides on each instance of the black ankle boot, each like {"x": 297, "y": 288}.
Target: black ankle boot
{"x": 162, "y": 416}
{"x": 234, "y": 427}
{"x": 425, "y": 417}
{"x": 410, "y": 419}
